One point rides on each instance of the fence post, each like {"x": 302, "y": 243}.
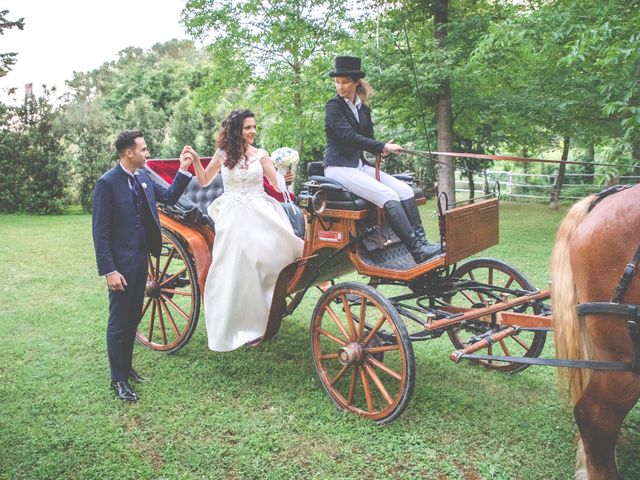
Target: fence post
{"x": 509, "y": 180}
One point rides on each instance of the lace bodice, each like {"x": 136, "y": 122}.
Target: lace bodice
{"x": 245, "y": 183}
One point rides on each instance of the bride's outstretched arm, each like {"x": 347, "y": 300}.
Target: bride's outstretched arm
{"x": 270, "y": 171}
{"x": 204, "y": 176}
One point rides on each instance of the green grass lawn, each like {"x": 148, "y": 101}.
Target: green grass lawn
{"x": 255, "y": 412}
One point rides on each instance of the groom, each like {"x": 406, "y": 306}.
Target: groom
{"x": 125, "y": 229}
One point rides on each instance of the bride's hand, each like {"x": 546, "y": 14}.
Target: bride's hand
{"x": 189, "y": 152}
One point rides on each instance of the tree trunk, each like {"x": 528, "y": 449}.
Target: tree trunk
{"x": 472, "y": 186}
{"x": 525, "y": 165}
{"x": 444, "y": 115}
{"x": 555, "y": 193}
{"x": 589, "y": 157}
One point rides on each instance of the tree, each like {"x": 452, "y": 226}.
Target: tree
{"x": 189, "y": 126}
{"x": 40, "y": 156}
{"x": 286, "y": 43}
{"x": 141, "y": 115}
{"x": 90, "y": 143}
{"x": 11, "y": 189}
{"x": 7, "y": 60}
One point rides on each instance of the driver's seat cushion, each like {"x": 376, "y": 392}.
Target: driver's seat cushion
{"x": 340, "y": 198}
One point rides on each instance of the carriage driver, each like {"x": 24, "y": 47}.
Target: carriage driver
{"x": 349, "y": 131}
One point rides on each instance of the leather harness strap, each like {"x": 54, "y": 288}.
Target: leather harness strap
{"x": 625, "y": 278}
{"x": 606, "y": 192}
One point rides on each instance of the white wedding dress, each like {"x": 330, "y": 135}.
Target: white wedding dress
{"x": 254, "y": 241}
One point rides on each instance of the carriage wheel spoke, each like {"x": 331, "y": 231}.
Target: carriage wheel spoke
{"x": 490, "y": 276}
{"x": 347, "y": 311}
{"x": 337, "y": 321}
{"x": 152, "y": 321}
{"x": 352, "y": 385}
{"x": 361, "y": 320}
{"x": 367, "y": 390}
{"x": 374, "y": 330}
{"x": 166, "y": 265}
{"x": 157, "y": 263}
{"x": 329, "y": 356}
{"x": 386, "y": 348}
{"x": 505, "y": 349}
{"x": 508, "y": 284}
{"x": 521, "y": 343}
{"x": 173, "y": 323}
{"x": 151, "y": 271}
{"x": 384, "y": 368}
{"x": 340, "y": 374}
{"x": 378, "y": 383}
{"x": 464, "y": 294}
{"x": 144, "y": 310}
{"x": 172, "y": 277}
{"x": 480, "y": 296}
{"x": 332, "y": 337}
{"x": 171, "y": 302}
{"x": 175, "y": 292}
{"x": 161, "y": 322}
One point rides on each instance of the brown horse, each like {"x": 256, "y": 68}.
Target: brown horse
{"x": 592, "y": 249}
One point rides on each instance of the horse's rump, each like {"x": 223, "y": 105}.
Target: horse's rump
{"x": 592, "y": 249}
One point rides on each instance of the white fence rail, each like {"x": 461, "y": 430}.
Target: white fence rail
{"x": 537, "y": 187}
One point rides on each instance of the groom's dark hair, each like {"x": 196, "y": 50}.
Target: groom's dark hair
{"x": 127, "y": 139}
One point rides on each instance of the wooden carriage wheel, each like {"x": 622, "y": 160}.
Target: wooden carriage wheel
{"x": 172, "y": 298}
{"x": 362, "y": 352}
{"x": 495, "y": 272}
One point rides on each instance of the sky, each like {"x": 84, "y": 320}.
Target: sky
{"x": 64, "y": 36}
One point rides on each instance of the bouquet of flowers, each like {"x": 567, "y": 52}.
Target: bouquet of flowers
{"x": 285, "y": 160}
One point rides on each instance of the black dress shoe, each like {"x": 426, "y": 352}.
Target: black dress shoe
{"x": 124, "y": 392}
{"x": 136, "y": 377}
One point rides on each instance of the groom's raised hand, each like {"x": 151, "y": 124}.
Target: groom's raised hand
{"x": 116, "y": 281}
{"x": 187, "y": 157}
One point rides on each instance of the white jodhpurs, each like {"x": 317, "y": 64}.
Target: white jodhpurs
{"x": 362, "y": 182}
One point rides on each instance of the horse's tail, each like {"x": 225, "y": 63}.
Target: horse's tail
{"x": 572, "y": 341}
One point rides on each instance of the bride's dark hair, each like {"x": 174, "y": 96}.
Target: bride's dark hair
{"x": 229, "y": 137}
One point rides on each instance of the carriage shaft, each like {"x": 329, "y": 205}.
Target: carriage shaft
{"x": 479, "y": 312}
{"x": 484, "y": 342}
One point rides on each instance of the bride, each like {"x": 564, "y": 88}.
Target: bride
{"x": 254, "y": 238}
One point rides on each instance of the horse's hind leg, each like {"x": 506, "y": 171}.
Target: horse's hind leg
{"x": 599, "y": 413}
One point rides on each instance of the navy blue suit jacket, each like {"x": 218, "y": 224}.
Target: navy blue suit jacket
{"x": 116, "y": 234}
{"x": 346, "y": 137}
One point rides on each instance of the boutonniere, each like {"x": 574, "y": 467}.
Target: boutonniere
{"x": 144, "y": 185}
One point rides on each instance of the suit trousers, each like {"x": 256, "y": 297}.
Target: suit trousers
{"x": 362, "y": 182}
{"x": 124, "y": 316}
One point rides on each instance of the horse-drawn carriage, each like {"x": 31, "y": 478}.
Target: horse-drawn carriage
{"x": 361, "y": 334}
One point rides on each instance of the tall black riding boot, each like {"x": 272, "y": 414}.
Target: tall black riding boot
{"x": 399, "y": 223}
{"x": 411, "y": 209}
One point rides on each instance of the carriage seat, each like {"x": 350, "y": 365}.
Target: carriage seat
{"x": 343, "y": 199}
{"x": 192, "y": 205}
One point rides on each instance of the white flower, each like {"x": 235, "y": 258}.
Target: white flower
{"x": 285, "y": 158}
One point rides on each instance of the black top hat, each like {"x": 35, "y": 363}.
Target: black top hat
{"x": 347, "y": 67}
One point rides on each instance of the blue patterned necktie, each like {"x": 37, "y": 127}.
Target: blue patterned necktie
{"x": 136, "y": 192}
